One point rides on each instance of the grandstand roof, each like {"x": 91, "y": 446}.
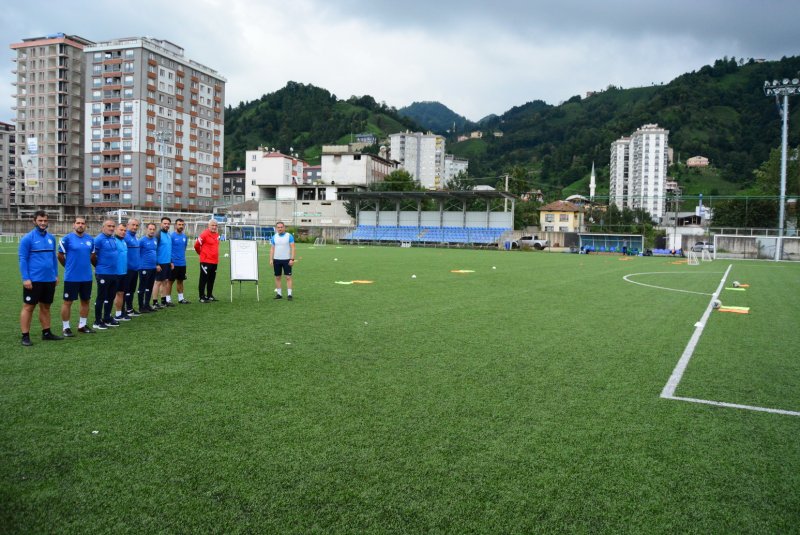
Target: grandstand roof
{"x": 467, "y": 195}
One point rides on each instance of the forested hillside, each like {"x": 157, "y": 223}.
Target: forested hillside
{"x": 719, "y": 111}
{"x": 437, "y": 117}
{"x": 303, "y": 117}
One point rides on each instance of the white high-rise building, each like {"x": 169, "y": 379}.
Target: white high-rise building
{"x": 422, "y": 155}
{"x": 638, "y": 170}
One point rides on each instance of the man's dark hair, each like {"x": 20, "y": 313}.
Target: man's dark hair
{"x": 179, "y": 220}
{"x": 165, "y": 217}
{"x": 39, "y": 213}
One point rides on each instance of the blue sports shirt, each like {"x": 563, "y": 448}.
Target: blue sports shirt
{"x": 105, "y": 247}
{"x": 133, "y": 250}
{"x": 78, "y": 255}
{"x": 37, "y": 257}
{"x": 147, "y": 253}
{"x": 179, "y": 242}
{"x": 122, "y": 256}
{"x": 164, "y": 247}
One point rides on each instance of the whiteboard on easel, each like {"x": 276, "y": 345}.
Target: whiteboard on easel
{"x": 244, "y": 260}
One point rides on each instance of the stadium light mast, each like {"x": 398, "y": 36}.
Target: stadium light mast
{"x": 162, "y": 136}
{"x": 782, "y": 88}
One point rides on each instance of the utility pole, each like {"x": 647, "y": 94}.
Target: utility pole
{"x": 162, "y": 136}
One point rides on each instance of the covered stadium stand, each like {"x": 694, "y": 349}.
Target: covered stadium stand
{"x": 452, "y": 223}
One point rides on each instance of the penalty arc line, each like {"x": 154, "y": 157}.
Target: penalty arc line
{"x": 677, "y": 374}
{"x": 626, "y": 279}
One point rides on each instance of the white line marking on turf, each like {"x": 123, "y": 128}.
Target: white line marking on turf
{"x": 677, "y": 373}
{"x": 672, "y": 384}
{"x": 735, "y": 406}
{"x": 626, "y": 279}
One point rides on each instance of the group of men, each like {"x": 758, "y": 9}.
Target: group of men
{"x": 124, "y": 265}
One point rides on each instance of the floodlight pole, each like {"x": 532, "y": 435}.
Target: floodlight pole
{"x": 162, "y": 136}
{"x": 782, "y": 88}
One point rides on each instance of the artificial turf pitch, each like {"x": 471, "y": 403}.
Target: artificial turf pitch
{"x": 519, "y": 399}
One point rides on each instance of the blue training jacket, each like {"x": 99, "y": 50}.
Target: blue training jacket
{"x": 133, "y": 251}
{"x": 37, "y": 257}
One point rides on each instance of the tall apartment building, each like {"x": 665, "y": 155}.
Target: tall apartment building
{"x": 154, "y": 127}
{"x": 7, "y": 167}
{"x": 49, "y": 100}
{"x": 639, "y": 170}
{"x": 422, "y": 155}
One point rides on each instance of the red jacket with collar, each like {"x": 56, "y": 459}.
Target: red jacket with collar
{"x": 207, "y": 246}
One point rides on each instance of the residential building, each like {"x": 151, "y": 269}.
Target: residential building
{"x": 271, "y": 174}
{"x": 638, "y": 170}
{"x": 49, "y": 126}
{"x": 697, "y": 161}
{"x": 233, "y": 187}
{"x": 422, "y": 155}
{"x": 312, "y": 174}
{"x": 562, "y": 216}
{"x": 7, "y": 167}
{"x": 454, "y": 165}
{"x": 154, "y": 127}
{"x": 354, "y": 169}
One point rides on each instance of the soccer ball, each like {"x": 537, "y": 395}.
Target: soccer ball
{"x": 413, "y": 276}
{"x": 716, "y": 303}
{"x": 736, "y": 284}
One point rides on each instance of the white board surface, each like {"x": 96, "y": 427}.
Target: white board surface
{"x": 244, "y": 260}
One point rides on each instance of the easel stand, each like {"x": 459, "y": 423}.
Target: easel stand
{"x": 258, "y": 295}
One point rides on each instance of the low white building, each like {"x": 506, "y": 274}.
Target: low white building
{"x": 270, "y": 174}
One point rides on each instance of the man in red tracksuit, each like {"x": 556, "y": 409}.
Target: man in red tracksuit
{"x": 207, "y": 246}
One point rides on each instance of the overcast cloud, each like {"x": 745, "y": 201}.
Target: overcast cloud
{"x": 475, "y": 57}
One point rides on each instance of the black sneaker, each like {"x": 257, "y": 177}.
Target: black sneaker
{"x": 146, "y": 310}
{"x": 68, "y": 333}
{"x": 26, "y": 340}
{"x": 112, "y": 323}
{"x": 122, "y": 318}
{"x": 155, "y": 306}
{"x": 203, "y": 300}
{"x": 100, "y": 326}
{"x": 133, "y": 313}
{"x": 288, "y": 297}
{"x": 167, "y": 304}
{"x": 85, "y": 330}
{"x": 278, "y": 296}
{"x": 211, "y": 298}
{"x": 184, "y": 302}
{"x": 50, "y": 336}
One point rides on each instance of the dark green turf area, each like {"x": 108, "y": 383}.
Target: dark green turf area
{"x": 511, "y": 400}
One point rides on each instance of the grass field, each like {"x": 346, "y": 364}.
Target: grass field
{"x": 519, "y": 399}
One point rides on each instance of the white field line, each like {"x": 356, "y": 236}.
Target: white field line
{"x": 626, "y": 279}
{"x": 672, "y": 384}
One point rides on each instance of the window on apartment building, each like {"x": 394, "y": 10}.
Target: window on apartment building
{"x": 549, "y": 218}
{"x": 563, "y": 217}
{"x": 127, "y": 145}
{"x": 548, "y": 228}
{"x": 563, "y": 229}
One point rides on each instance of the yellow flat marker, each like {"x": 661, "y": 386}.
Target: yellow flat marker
{"x": 735, "y": 310}
{"x": 626, "y": 258}
{"x": 362, "y": 282}
{"x": 740, "y": 289}
{"x": 343, "y": 282}
{"x": 679, "y": 262}
{"x": 462, "y": 271}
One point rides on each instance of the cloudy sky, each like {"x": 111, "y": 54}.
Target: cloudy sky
{"x": 477, "y": 57}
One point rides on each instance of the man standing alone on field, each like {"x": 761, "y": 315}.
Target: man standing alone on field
{"x": 281, "y": 258}
{"x": 75, "y": 254}
{"x": 179, "y": 242}
{"x": 39, "y": 269}
{"x": 207, "y": 246}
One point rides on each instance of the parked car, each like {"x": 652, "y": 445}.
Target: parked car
{"x": 703, "y": 245}
{"x": 529, "y": 241}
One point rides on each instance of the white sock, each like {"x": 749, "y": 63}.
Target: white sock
{"x": 65, "y": 324}
{"x": 180, "y": 297}
{"x": 288, "y": 291}
{"x": 278, "y": 291}
{"x": 82, "y": 322}
{"x": 118, "y": 314}
{"x": 169, "y": 299}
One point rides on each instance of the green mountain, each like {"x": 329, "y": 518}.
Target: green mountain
{"x": 719, "y": 111}
{"x": 437, "y": 117}
{"x": 303, "y": 117}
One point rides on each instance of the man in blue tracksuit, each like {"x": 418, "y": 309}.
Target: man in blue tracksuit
{"x": 105, "y": 272}
{"x": 132, "y": 276}
{"x": 75, "y": 254}
{"x": 122, "y": 273}
{"x": 148, "y": 260}
{"x": 179, "y": 243}
{"x": 39, "y": 269}
{"x": 164, "y": 268}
